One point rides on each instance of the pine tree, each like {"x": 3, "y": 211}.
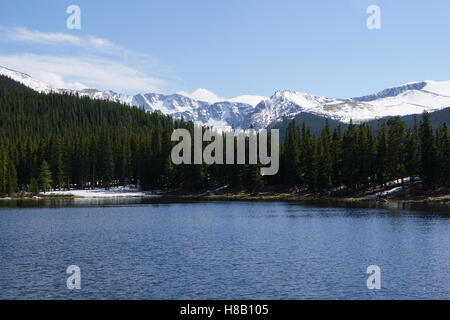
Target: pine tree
{"x": 4, "y": 164}
{"x": 95, "y": 142}
{"x": 412, "y": 151}
{"x": 12, "y": 178}
{"x": 443, "y": 146}
{"x": 33, "y": 188}
{"x": 364, "y": 155}
{"x": 324, "y": 159}
{"x": 427, "y": 152}
{"x": 309, "y": 161}
{"x": 336, "y": 155}
{"x": 57, "y": 165}
{"x": 350, "y": 157}
{"x": 253, "y": 181}
{"x": 291, "y": 156}
{"x": 107, "y": 165}
{"x": 45, "y": 176}
{"x": 381, "y": 155}
{"x": 396, "y": 149}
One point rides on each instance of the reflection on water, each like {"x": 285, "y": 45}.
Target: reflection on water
{"x": 151, "y": 249}
{"x": 433, "y": 208}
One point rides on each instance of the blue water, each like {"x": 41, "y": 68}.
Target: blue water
{"x": 223, "y": 250}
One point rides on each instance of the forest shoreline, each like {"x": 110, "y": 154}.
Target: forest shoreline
{"x": 242, "y": 196}
{"x": 293, "y": 198}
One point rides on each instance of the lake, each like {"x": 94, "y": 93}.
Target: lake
{"x": 148, "y": 249}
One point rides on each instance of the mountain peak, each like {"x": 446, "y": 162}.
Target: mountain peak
{"x": 391, "y": 92}
{"x": 26, "y": 80}
{"x": 207, "y": 108}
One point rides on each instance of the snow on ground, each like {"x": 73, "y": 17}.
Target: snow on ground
{"x": 399, "y": 181}
{"x": 384, "y": 193}
{"x": 102, "y": 193}
{"x": 391, "y": 191}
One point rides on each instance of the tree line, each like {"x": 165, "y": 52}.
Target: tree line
{"x": 55, "y": 141}
{"x": 361, "y": 157}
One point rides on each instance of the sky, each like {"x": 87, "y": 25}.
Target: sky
{"x": 230, "y": 48}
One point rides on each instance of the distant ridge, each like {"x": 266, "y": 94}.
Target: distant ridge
{"x": 246, "y": 112}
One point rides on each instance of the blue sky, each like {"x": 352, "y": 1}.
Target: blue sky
{"x": 230, "y": 47}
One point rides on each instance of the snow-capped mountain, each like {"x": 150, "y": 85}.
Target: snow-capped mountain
{"x": 283, "y": 104}
{"x": 410, "y": 98}
{"x": 210, "y": 97}
{"x": 259, "y": 112}
{"x": 41, "y": 86}
{"x": 222, "y": 115}
{"x": 105, "y": 95}
{"x": 26, "y": 80}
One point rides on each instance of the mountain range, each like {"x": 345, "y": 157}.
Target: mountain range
{"x": 261, "y": 112}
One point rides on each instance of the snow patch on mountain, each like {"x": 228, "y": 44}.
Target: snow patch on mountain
{"x": 410, "y": 98}
{"x": 26, "y": 80}
{"x": 210, "y": 97}
{"x": 249, "y": 111}
{"x": 283, "y": 104}
{"x": 43, "y": 87}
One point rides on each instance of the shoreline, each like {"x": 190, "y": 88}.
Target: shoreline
{"x": 232, "y": 197}
{"x": 292, "y": 198}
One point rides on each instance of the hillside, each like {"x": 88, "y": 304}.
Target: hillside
{"x": 7, "y": 82}
{"x": 251, "y": 111}
{"x": 79, "y": 139}
{"x": 316, "y": 122}
{"x": 437, "y": 118}
{"x": 59, "y": 141}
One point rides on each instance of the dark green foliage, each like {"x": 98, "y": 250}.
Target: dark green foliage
{"x": 361, "y": 156}
{"x": 365, "y": 156}
{"x": 396, "y": 152}
{"x": 45, "y": 177}
{"x": 33, "y": 188}
{"x": 381, "y": 154}
{"x": 8, "y": 174}
{"x": 350, "y": 157}
{"x": 314, "y": 122}
{"x": 63, "y": 141}
{"x": 324, "y": 159}
{"x": 443, "y": 155}
{"x": 6, "y": 82}
{"x": 308, "y": 165}
{"x": 290, "y": 161}
{"x": 252, "y": 179}
{"x": 336, "y": 156}
{"x": 428, "y": 153}
{"x": 436, "y": 119}
{"x": 412, "y": 163}
{"x": 84, "y": 142}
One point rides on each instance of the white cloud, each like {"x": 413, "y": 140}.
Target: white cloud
{"x": 209, "y": 96}
{"x": 252, "y": 100}
{"x": 203, "y": 95}
{"x": 83, "y": 72}
{"x": 20, "y": 34}
{"x": 23, "y": 34}
{"x": 97, "y": 63}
